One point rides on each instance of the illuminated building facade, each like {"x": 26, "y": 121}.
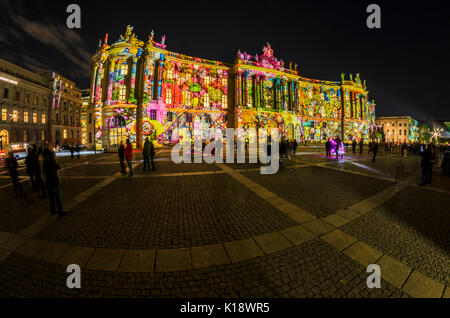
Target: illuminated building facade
{"x": 398, "y": 129}
{"x": 142, "y": 90}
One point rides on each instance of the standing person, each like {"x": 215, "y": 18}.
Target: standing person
{"x": 78, "y": 151}
{"x": 30, "y": 163}
{"x": 146, "y": 153}
{"x": 374, "y": 149}
{"x": 328, "y": 148}
{"x": 354, "y": 145}
{"x": 152, "y": 155}
{"x": 295, "y": 145}
{"x": 72, "y": 150}
{"x": 38, "y": 173}
{"x": 425, "y": 165}
{"x": 12, "y": 165}
{"x": 50, "y": 169}
{"x": 123, "y": 170}
{"x": 129, "y": 157}
{"x": 283, "y": 152}
{"x": 361, "y": 144}
{"x": 338, "y": 146}
{"x": 432, "y": 162}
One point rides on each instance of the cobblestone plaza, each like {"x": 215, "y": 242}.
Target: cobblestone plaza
{"x": 225, "y": 230}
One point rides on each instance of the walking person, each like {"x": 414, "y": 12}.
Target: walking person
{"x": 50, "y": 169}
{"x": 295, "y": 145}
{"x": 432, "y": 162}
{"x": 123, "y": 170}
{"x": 361, "y": 144}
{"x": 354, "y": 145}
{"x": 283, "y": 152}
{"x": 129, "y": 157}
{"x": 338, "y": 146}
{"x": 72, "y": 150}
{"x": 12, "y": 165}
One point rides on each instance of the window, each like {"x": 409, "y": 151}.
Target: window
{"x": 25, "y": 117}
{"x": 400, "y": 124}
{"x": 15, "y": 115}
{"x": 34, "y": 118}
{"x": 224, "y": 101}
{"x": 187, "y": 98}
{"x": 25, "y": 135}
{"x": 42, "y": 135}
{"x": 43, "y": 118}
{"x": 168, "y": 96}
{"x": 17, "y": 95}
{"x": 65, "y": 134}
{"x": 249, "y": 89}
{"x": 90, "y": 137}
{"x": 36, "y": 100}
{"x": 206, "y": 100}
{"x": 169, "y": 74}
{"x": 6, "y": 93}
{"x": 400, "y": 132}
{"x": 26, "y": 100}
{"x": 57, "y": 117}
{"x": 207, "y": 80}
{"x": 224, "y": 81}
{"x": 225, "y": 119}
{"x": 404, "y": 132}
{"x": 4, "y": 114}
{"x": 122, "y": 92}
{"x": 90, "y": 118}
{"x": 153, "y": 114}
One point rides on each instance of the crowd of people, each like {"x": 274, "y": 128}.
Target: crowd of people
{"x": 42, "y": 168}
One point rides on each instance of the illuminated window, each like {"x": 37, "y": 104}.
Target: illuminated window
{"x": 36, "y": 100}
{"x": 169, "y": 74}
{"x": 224, "y": 81}
{"x": 25, "y": 117}
{"x": 187, "y": 98}
{"x": 65, "y": 134}
{"x": 207, "y": 80}
{"x": 224, "y": 101}
{"x": 34, "y": 118}
{"x": 43, "y": 118}
{"x": 188, "y": 77}
{"x": 26, "y": 99}
{"x": 400, "y": 132}
{"x": 4, "y": 114}
{"x": 249, "y": 90}
{"x": 153, "y": 114}
{"x": 168, "y": 96}
{"x": 15, "y": 115}
{"x": 25, "y": 135}
{"x": 43, "y": 135}
{"x": 206, "y": 100}
{"x": 122, "y": 92}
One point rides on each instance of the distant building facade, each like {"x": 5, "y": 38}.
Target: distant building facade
{"x": 398, "y": 129}
{"x": 37, "y": 108}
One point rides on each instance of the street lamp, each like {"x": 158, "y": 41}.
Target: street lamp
{"x": 435, "y": 133}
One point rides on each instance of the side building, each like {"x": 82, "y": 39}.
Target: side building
{"x": 398, "y": 129}
{"x": 24, "y": 104}
{"x": 142, "y": 90}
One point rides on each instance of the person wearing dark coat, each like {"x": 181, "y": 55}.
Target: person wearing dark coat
{"x": 361, "y": 144}
{"x": 425, "y": 165}
{"x": 295, "y": 145}
{"x": 50, "y": 169}
{"x": 12, "y": 165}
{"x": 354, "y": 145}
{"x": 148, "y": 152}
{"x": 129, "y": 157}
{"x": 31, "y": 166}
{"x": 123, "y": 170}
{"x": 38, "y": 172}
{"x": 328, "y": 148}
{"x": 375, "y": 150}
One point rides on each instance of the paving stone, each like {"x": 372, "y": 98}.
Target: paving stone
{"x": 52, "y": 252}
{"x": 288, "y": 208}
{"x": 348, "y": 214}
{"x": 336, "y": 220}
{"x": 363, "y": 253}
{"x": 139, "y": 261}
{"x": 393, "y": 271}
{"x": 31, "y": 247}
{"x": 242, "y": 250}
{"x": 13, "y": 243}
{"x": 208, "y": 255}
{"x": 77, "y": 255}
{"x": 178, "y": 259}
{"x": 421, "y": 286}
{"x": 318, "y": 227}
{"x": 297, "y": 235}
{"x": 4, "y": 254}
{"x": 301, "y": 217}
{"x": 276, "y": 201}
{"x": 272, "y": 242}
{"x": 105, "y": 259}
{"x": 338, "y": 239}
{"x": 4, "y": 236}
{"x": 266, "y": 195}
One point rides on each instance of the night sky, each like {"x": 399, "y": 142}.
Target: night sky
{"x": 405, "y": 63}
